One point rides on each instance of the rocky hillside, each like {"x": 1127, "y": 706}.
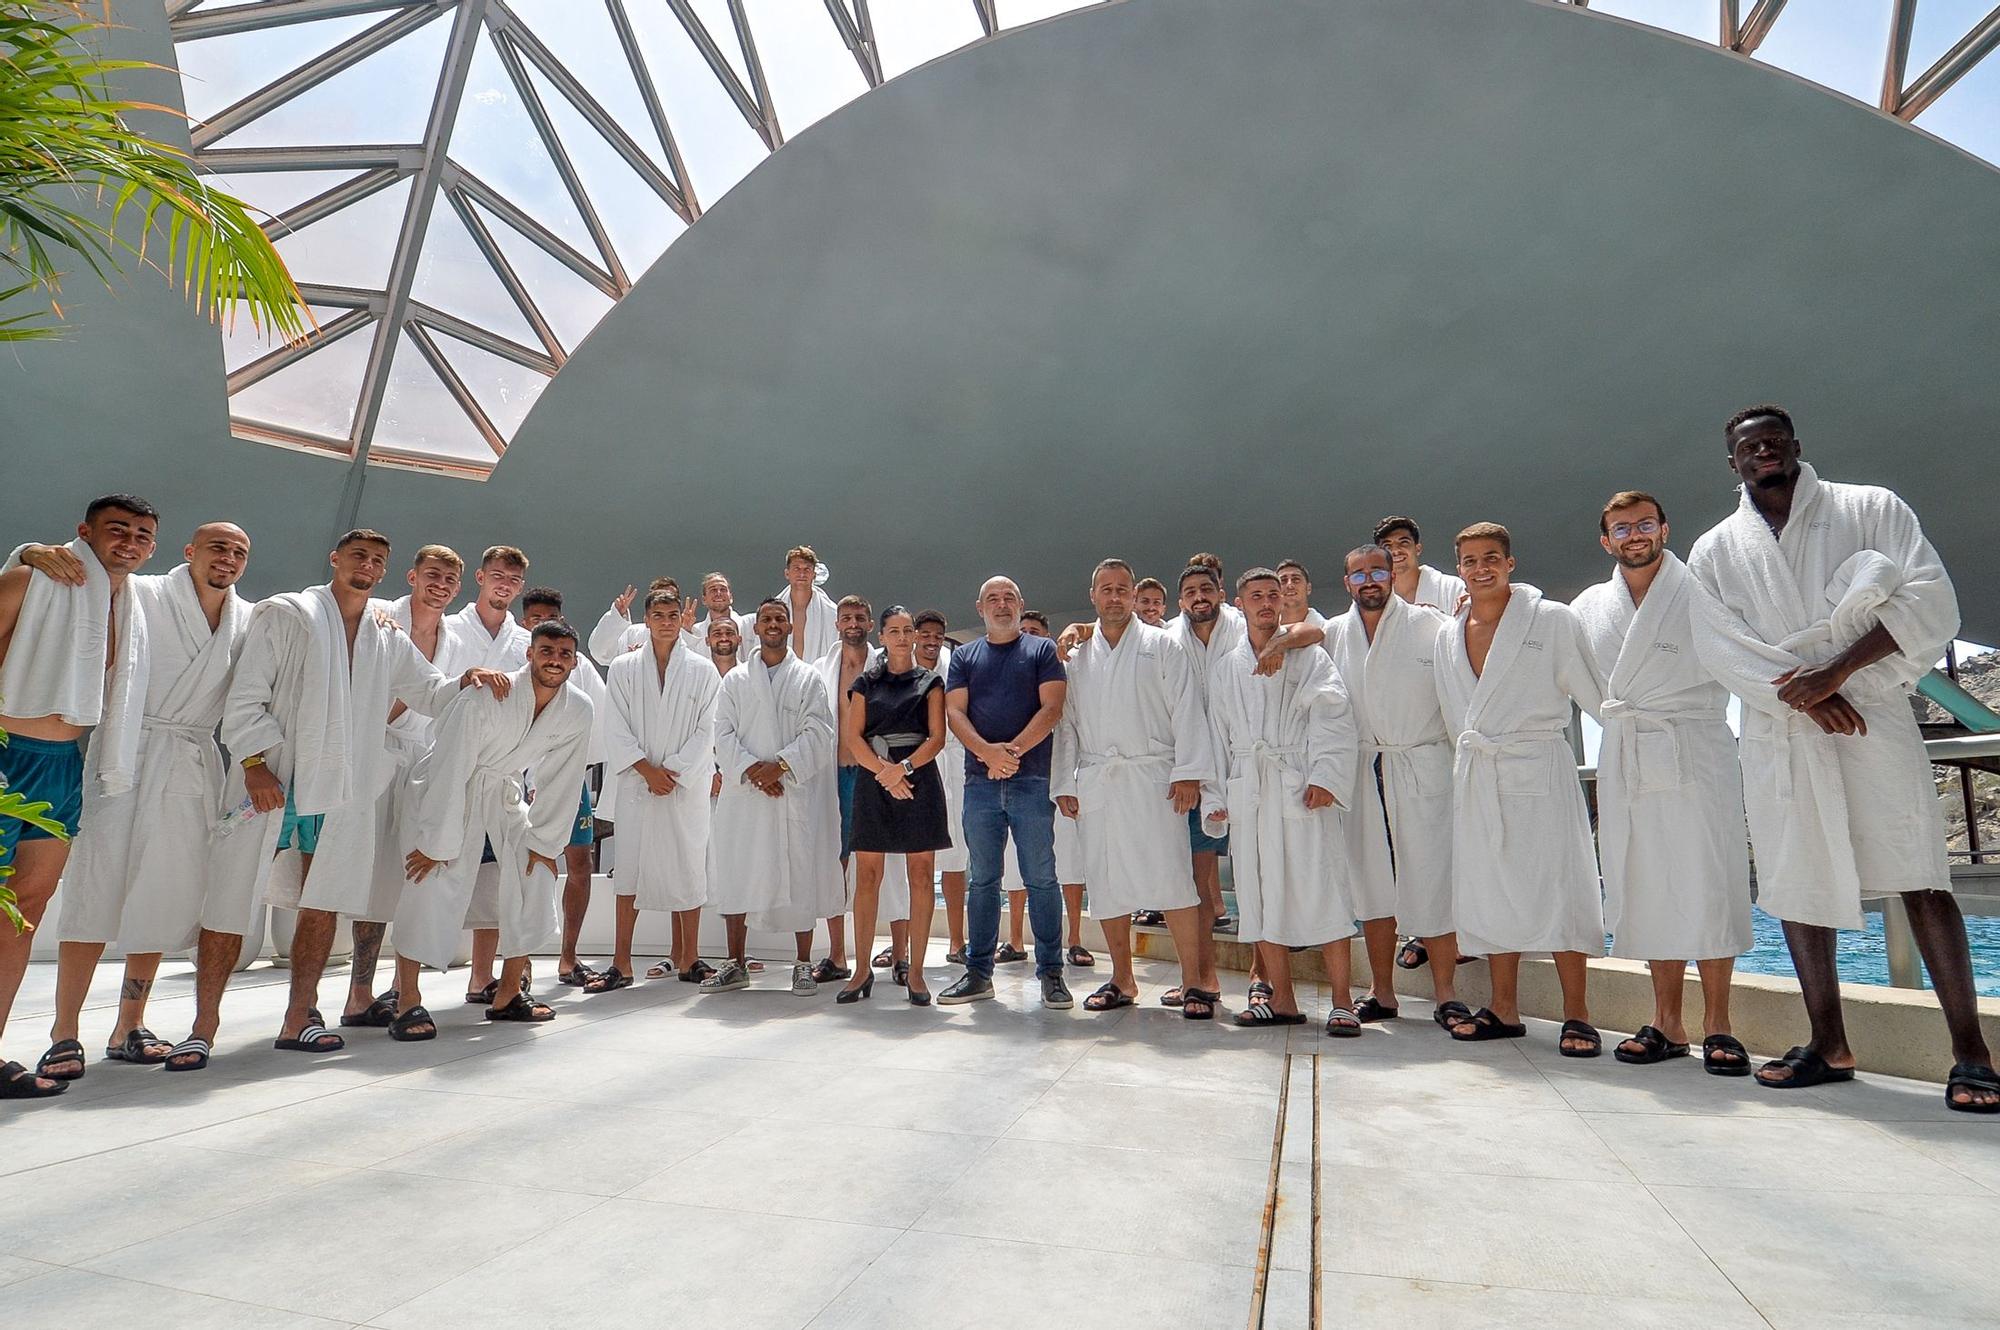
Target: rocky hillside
{"x": 1979, "y": 676}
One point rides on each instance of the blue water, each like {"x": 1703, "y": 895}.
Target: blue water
{"x": 1863, "y": 957}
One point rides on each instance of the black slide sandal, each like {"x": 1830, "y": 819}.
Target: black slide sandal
{"x": 377, "y": 1015}
{"x": 314, "y": 1038}
{"x": 1199, "y": 1004}
{"x": 17, "y": 1082}
{"x": 1265, "y": 1014}
{"x": 521, "y": 1007}
{"x": 198, "y": 1049}
{"x": 1970, "y": 1076}
{"x": 483, "y": 997}
{"x": 133, "y": 1048}
{"x": 1593, "y": 1042}
{"x": 1368, "y": 1011}
{"x": 1412, "y": 955}
{"x": 1108, "y": 997}
{"x": 61, "y": 1051}
{"x": 1808, "y": 1069}
{"x": 404, "y": 1028}
{"x": 1485, "y": 1026}
{"x": 1724, "y": 1043}
{"x": 1654, "y": 1046}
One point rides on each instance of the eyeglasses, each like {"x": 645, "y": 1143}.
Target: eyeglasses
{"x": 1626, "y": 530}
{"x": 1367, "y": 575}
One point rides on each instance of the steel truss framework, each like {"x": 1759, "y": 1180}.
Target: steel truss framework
{"x": 450, "y": 285}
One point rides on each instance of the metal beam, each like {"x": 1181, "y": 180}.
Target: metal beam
{"x": 344, "y": 297}
{"x": 264, "y": 366}
{"x": 475, "y": 225}
{"x": 485, "y": 339}
{"x": 531, "y": 101}
{"x": 301, "y": 215}
{"x": 1953, "y": 65}
{"x": 409, "y": 244}
{"x": 405, "y": 158}
{"x": 277, "y": 13}
{"x": 718, "y": 64}
{"x": 989, "y": 20}
{"x": 635, "y": 59}
{"x": 311, "y": 74}
{"x": 457, "y": 177}
{"x": 1895, "y": 65}
{"x": 1729, "y": 23}
{"x": 456, "y": 387}
{"x": 857, "y": 34}
{"x": 1757, "y": 25}
{"x": 759, "y": 85}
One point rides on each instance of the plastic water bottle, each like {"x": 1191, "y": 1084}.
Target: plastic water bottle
{"x": 234, "y": 818}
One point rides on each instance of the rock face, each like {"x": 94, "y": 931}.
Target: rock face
{"x": 1980, "y": 676}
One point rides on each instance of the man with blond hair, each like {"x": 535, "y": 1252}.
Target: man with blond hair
{"x": 814, "y": 615}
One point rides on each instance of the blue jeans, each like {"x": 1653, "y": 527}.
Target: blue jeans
{"x": 993, "y": 809}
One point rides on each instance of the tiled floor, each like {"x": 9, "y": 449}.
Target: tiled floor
{"x": 656, "y": 1158}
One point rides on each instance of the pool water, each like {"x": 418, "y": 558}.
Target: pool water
{"x": 1863, "y": 956}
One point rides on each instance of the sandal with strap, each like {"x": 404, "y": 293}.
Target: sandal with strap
{"x": 190, "y": 1047}
{"x": 521, "y": 1007}
{"x": 1972, "y": 1078}
{"x": 1009, "y": 954}
{"x": 17, "y": 1082}
{"x": 1449, "y": 1014}
{"x": 1149, "y": 918}
{"x": 1081, "y": 958}
{"x": 1485, "y": 1026}
{"x": 1808, "y": 1069}
{"x": 1260, "y": 993}
{"x": 1412, "y": 955}
{"x": 609, "y": 980}
{"x": 483, "y": 997}
{"x": 899, "y": 974}
{"x": 1343, "y": 1023}
{"x": 378, "y": 1015}
{"x": 884, "y": 958}
{"x": 404, "y": 1028}
{"x": 1586, "y": 1033}
{"x": 314, "y": 1038}
{"x": 140, "y": 1046}
{"x": 1199, "y": 1004}
{"x": 1369, "y": 1010}
{"x": 61, "y": 1052}
{"x": 697, "y": 972}
{"x": 1717, "y": 1066}
{"x": 1108, "y": 997}
{"x": 1654, "y": 1046}
{"x": 665, "y": 969}
{"x": 1265, "y": 1014}
{"x": 577, "y": 975}
{"x": 1173, "y": 997}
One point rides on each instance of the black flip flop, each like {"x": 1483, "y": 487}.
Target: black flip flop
{"x": 1173, "y": 997}
{"x": 1368, "y": 1011}
{"x": 1971, "y": 1076}
{"x": 1654, "y": 1046}
{"x": 1343, "y": 1029}
{"x": 1724, "y": 1043}
{"x": 402, "y": 1028}
{"x": 1199, "y": 1004}
{"x": 1108, "y": 997}
{"x": 62, "y": 1050}
{"x": 1485, "y": 1026}
{"x": 521, "y": 1007}
{"x": 17, "y": 1082}
{"x": 1451, "y": 1013}
{"x": 484, "y": 997}
{"x": 310, "y": 1040}
{"x": 1081, "y": 958}
{"x": 576, "y": 976}
{"x": 198, "y": 1048}
{"x": 132, "y": 1048}
{"x": 377, "y": 1015}
{"x": 1593, "y": 1041}
{"x": 1808, "y": 1069}
{"x": 1265, "y": 1014}
{"x": 608, "y": 980}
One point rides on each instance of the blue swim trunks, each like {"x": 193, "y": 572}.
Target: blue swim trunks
{"x": 850, "y": 776}
{"x": 302, "y": 832}
{"x": 585, "y": 831}
{"x": 1200, "y": 841}
{"x": 41, "y": 771}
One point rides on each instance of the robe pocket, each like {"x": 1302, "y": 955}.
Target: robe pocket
{"x": 1433, "y": 774}
{"x": 1294, "y": 783}
{"x": 1523, "y": 773}
{"x": 1659, "y": 753}
{"x": 1090, "y": 794}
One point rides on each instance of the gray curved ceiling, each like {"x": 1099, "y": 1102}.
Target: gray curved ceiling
{"x": 1174, "y": 275}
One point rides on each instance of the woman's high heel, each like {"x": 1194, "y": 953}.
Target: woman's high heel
{"x": 856, "y": 994}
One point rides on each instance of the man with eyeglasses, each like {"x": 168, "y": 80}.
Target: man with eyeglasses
{"x": 1670, "y": 830}
{"x": 1416, "y": 581}
{"x": 1824, "y": 605}
{"x": 1398, "y": 826}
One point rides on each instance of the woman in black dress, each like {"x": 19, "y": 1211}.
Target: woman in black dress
{"x": 892, "y": 723}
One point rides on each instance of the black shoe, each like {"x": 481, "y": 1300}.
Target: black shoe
{"x": 1055, "y": 993}
{"x": 1009, "y": 954}
{"x": 970, "y": 987}
{"x": 847, "y": 995}
{"x": 826, "y": 972}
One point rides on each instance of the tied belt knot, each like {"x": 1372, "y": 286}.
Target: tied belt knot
{"x": 1093, "y": 769}
{"x": 1263, "y": 749}
{"x": 1628, "y": 722}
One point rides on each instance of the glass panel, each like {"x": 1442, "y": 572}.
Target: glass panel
{"x": 810, "y": 69}
{"x": 271, "y": 192}
{"x": 580, "y": 34}
{"x": 1013, "y": 13}
{"x": 1938, "y": 26}
{"x": 721, "y": 28}
{"x": 316, "y": 393}
{"x": 384, "y": 99}
{"x": 504, "y": 390}
{"x": 454, "y": 276}
{"x": 1839, "y": 43}
{"x": 571, "y": 305}
{"x": 218, "y": 72}
{"x": 1969, "y": 112}
{"x": 496, "y": 140}
{"x": 1700, "y": 19}
{"x": 353, "y": 247}
{"x": 716, "y": 142}
{"x": 243, "y": 343}
{"x": 420, "y": 415}
{"x": 640, "y": 222}
{"x": 910, "y": 32}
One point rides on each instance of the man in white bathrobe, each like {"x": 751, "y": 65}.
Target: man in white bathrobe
{"x": 305, "y": 726}
{"x": 471, "y": 790}
{"x": 774, "y": 840}
{"x": 854, "y": 619}
{"x": 1285, "y": 749}
{"x": 1416, "y": 581}
{"x": 1670, "y": 830}
{"x": 615, "y": 633}
{"x": 1398, "y": 821}
{"x": 815, "y": 615}
{"x": 660, "y": 750}
{"x": 1824, "y": 604}
{"x": 718, "y": 601}
{"x": 1132, "y": 753}
{"x": 70, "y": 658}
{"x": 141, "y": 859}
{"x": 1149, "y": 602}
{"x": 1523, "y": 867}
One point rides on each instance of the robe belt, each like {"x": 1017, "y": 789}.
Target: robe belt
{"x": 1472, "y": 744}
{"x": 1627, "y": 719}
{"x": 1263, "y": 749}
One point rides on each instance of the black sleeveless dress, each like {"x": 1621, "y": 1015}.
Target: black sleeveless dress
{"x": 898, "y": 718}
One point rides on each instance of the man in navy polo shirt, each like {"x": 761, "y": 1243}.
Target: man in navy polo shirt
{"x": 1003, "y": 697}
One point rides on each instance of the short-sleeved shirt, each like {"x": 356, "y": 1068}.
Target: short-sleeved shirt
{"x": 1003, "y": 683}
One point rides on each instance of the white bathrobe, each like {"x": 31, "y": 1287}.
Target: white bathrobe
{"x": 1833, "y": 818}
{"x": 776, "y": 858}
{"x": 822, "y": 630}
{"x": 1273, "y": 737}
{"x": 1133, "y": 723}
{"x": 1670, "y": 827}
{"x": 506, "y": 650}
{"x": 1398, "y": 819}
{"x": 140, "y": 864}
{"x": 469, "y": 790}
{"x": 1438, "y": 591}
{"x": 671, "y": 723}
{"x": 1522, "y": 860}
{"x": 614, "y": 636}
{"x": 695, "y": 635}
{"x": 1227, "y": 633}
{"x": 320, "y": 719}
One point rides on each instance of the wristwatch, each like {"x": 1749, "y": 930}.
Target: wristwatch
{"x": 254, "y": 760}
{"x": 909, "y": 770}
{"x": 784, "y": 766}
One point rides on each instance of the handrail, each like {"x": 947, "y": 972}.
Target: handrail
{"x": 1943, "y": 691}
{"x": 1964, "y": 748}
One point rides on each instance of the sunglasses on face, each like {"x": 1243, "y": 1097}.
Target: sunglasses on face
{"x": 1367, "y": 575}
{"x": 1626, "y": 530}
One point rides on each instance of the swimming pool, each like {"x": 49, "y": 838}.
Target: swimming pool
{"x": 1863, "y": 957}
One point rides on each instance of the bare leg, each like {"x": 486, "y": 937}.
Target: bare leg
{"x": 214, "y": 961}
{"x": 1338, "y": 959}
{"x": 485, "y": 951}
{"x": 1715, "y": 979}
{"x": 1208, "y": 885}
{"x": 736, "y": 929}
{"x": 899, "y": 938}
{"x": 1118, "y": 941}
{"x": 361, "y": 977}
{"x": 140, "y": 970}
{"x": 1819, "y": 984}
{"x": 1506, "y": 1001}
{"x": 836, "y": 935}
{"x": 1189, "y": 927}
{"x": 922, "y": 872}
{"x": 1073, "y": 903}
{"x": 1443, "y": 951}
{"x": 1278, "y": 974}
{"x": 512, "y": 971}
{"x": 575, "y": 903}
{"x": 409, "y": 992}
{"x": 1379, "y": 936}
{"x": 624, "y": 922}
{"x": 1940, "y": 933}
{"x": 867, "y": 898}
{"x": 38, "y": 865}
{"x": 76, "y": 964}
{"x": 687, "y": 938}
{"x": 954, "y": 909}
{"x": 1573, "y": 973}
{"x": 1017, "y": 905}
{"x": 312, "y": 940}
{"x": 804, "y": 942}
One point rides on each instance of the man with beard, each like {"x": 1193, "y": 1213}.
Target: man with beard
{"x": 1149, "y": 602}
{"x": 1670, "y": 830}
{"x": 1824, "y": 604}
{"x": 838, "y": 668}
{"x": 719, "y": 602}
{"x": 1416, "y": 581}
